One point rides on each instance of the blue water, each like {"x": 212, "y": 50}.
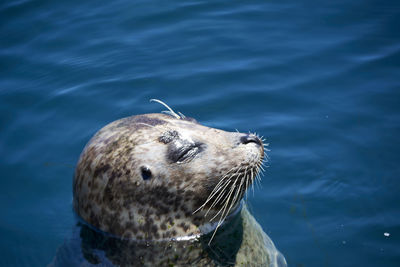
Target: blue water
{"x": 320, "y": 80}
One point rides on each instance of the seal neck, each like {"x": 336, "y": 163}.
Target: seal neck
{"x": 210, "y": 227}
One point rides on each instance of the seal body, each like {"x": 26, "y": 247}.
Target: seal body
{"x": 158, "y": 178}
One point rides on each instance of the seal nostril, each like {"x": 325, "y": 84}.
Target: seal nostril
{"x": 250, "y": 138}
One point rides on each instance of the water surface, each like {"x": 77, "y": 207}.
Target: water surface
{"x": 318, "y": 79}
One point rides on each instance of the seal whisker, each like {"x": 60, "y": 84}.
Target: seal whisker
{"x": 182, "y": 116}
{"x": 257, "y": 177}
{"x": 225, "y": 200}
{"x": 246, "y": 179}
{"x": 224, "y": 186}
{"x": 222, "y": 215}
{"x": 261, "y": 163}
{"x": 142, "y": 123}
{"x": 215, "y": 192}
{"x": 219, "y": 187}
{"x": 170, "y": 111}
{"x": 217, "y": 200}
{"x": 236, "y": 173}
{"x": 261, "y": 167}
{"x": 232, "y": 202}
{"x": 238, "y": 192}
{"x": 257, "y": 182}
{"x": 247, "y": 185}
{"x": 258, "y": 174}
{"x": 245, "y": 182}
{"x": 252, "y": 179}
{"x": 226, "y": 197}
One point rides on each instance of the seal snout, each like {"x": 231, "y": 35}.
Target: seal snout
{"x": 250, "y": 138}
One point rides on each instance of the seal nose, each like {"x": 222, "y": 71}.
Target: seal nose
{"x": 250, "y": 138}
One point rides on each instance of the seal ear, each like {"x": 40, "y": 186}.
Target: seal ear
{"x": 146, "y": 173}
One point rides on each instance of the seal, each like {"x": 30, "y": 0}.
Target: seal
{"x": 166, "y": 179}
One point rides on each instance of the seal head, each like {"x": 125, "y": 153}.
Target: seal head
{"x": 157, "y": 177}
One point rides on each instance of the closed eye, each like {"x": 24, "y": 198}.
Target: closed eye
{"x": 181, "y": 152}
{"x": 187, "y": 152}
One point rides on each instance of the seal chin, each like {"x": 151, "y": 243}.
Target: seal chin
{"x": 212, "y": 226}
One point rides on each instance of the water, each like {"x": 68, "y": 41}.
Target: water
{"x": 319, "y": 79}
